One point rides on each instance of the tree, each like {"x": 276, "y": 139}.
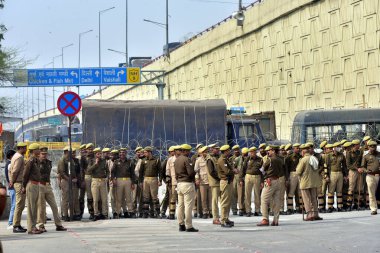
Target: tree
{"x": 10, "y": 58}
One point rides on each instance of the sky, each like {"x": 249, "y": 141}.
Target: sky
{"x": 40, "y": 28}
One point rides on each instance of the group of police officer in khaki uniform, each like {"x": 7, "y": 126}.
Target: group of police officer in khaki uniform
{"x": 216, "y": 179}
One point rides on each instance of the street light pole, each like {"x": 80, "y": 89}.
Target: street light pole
{"x": 126, "y": 34}
{"x": 166, "y": 26}
{"x": 100, "y": 49}
{"x": 167, "y": 29}
{"x": 80, "y": 35}
{"x": 54, "y": 59}
{"x": 62, "y": 52}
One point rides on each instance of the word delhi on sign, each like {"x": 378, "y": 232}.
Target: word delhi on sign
{"x": 82, "y": 76}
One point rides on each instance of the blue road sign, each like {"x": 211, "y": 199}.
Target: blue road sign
{"x": 90, "y": 76}
{"x": 114, "y": 75}
{"x": 51, "y": 77}
{"x": 75, "y": 76}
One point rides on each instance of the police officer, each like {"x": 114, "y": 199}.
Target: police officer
{"x": 99, "y": 171}
{"x": 15, "y": 180}
{"x": 262, "y": 151}
{"x": 137, "y": 192}
{"x": 226, "y": 175}
{"x": 149, "y": 176}
{"x": 197, "y": 209}
{"x": 308, "y": 170}
{"x": 337, "y": 169}
{"x": 166, "y": 199}
{"x": 185, "y": 176}
{"x": 353, "y": 160}
{"x": 253, "y": 179}
{"x": 235, "y": 162}
{"x": 371, "y": 165}
{"x": 201, "y": 178}
{"x": 114, "y": 155}
{"x": 323, "y": 177}
{"x": 171, "y": 180}
{"x": 291, "y": 163}
{"x": 123, "y": 178}
{"x": 46, "y": 194}
{"x": 90, "y": 159}
{"x": 63, "y": 171}
{"x": 81, "y": 180}
{"x": 214, "y": 181}
{"x": 272, "y": 188}
{"x": 30, "y": 182}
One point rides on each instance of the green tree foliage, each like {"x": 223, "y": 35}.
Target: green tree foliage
{"x": 9, "y": 57}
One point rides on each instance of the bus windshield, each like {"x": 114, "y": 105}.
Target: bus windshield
{"x": 336, "y": 125}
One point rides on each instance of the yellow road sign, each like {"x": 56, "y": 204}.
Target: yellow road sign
{"x": 133, "y": 75}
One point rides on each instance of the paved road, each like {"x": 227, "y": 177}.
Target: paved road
{"x": 338, "y": 232}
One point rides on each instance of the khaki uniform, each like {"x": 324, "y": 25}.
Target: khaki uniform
{"x": 173, "y": 196}
{"x": 137, "y": 193}
{"x": 371, "y": 166}
{"x": 309, "y": 183}
{"x": 112, "y": 189}
{"x": 214, "y": 183}
{"x": 46, "y": 195}
{"x": 252, "y": 176}
{"x": 237, "y": 200}
{"x": 337, "y": 169}
{"x": 272, "y": 187}
{"x": 166, "y": 199}
{"x": 226, "y": 175}
{"x": 149, "y": 172}
{"x": 185, "y": 176}
{"x": 88, "y": 180}
{"x": 99, "y": 173}
{"x": 291, "y": 163}
{"x": 63, "y": 172}
{"x": 322, "y": 189}
{"x": 197, "y": 209}
{"x": 123, "y": 171}
{"x": 282, "y": 179}
{"x": 205, "y": 189}
{"x": 31, "y": 181}
{"x": 81, "y": 184}
{"x": 16, "y": 176}
{"x": 353, "y": 161}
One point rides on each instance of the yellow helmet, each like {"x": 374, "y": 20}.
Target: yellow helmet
{"x": 34, "y": 146}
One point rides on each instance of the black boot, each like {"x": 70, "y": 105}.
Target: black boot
{"x": 132, "y": 215}
{"x": 171, "y": 216}
{"x": 126, "y": 215}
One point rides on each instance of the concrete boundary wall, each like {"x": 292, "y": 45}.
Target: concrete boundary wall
{"x": 290, "y": 55}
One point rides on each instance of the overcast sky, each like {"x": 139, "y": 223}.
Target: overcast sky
{"x": 40, "y": 28}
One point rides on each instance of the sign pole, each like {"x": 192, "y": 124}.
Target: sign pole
{"x": 69, "y": 104}
{"x": 71, "y": 199}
